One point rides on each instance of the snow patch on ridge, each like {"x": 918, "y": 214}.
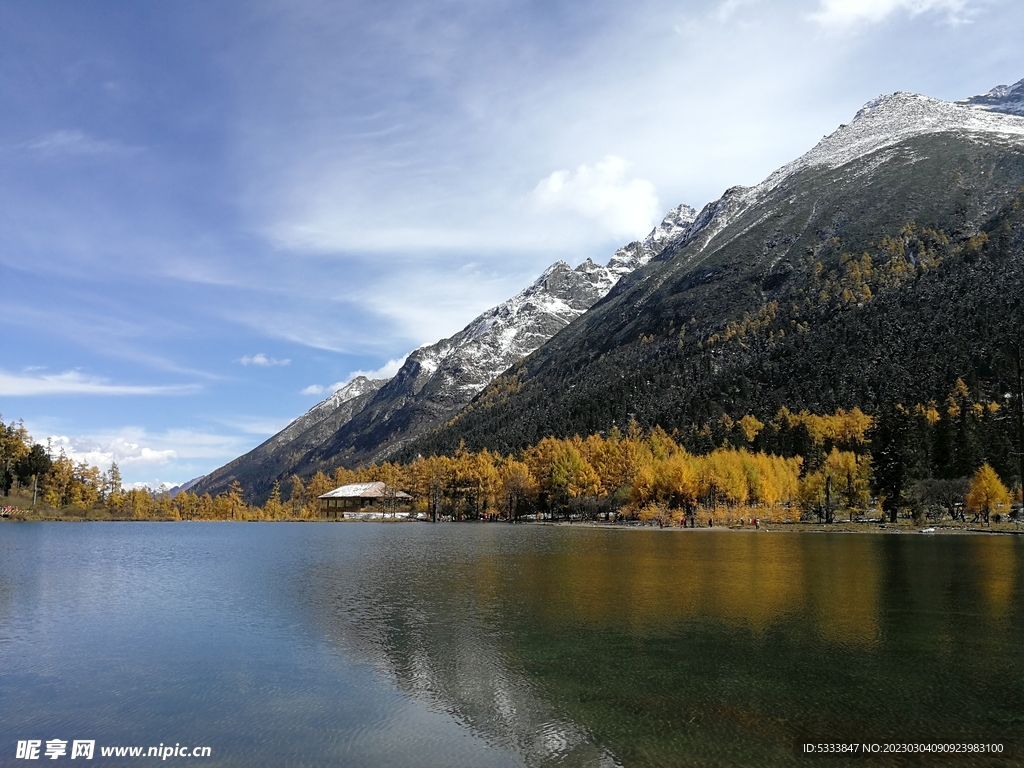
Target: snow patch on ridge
{"x": 358, "y": 387}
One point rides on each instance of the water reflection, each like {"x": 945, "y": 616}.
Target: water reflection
{"x": 590, "y": 647}
{"x": 422, "y": 608}
{"x": 995, "y": 561}
{"x": 749, "y": 581}
{"x": 310, "y": 645}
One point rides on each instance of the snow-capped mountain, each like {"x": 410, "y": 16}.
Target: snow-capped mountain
{"x": 882, "y": 123}
{"x": 331, "y": 412}
{"x": 759, "y": 228}
{"x": 367, "y": 420}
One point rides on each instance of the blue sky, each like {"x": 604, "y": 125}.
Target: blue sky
{"x": 210, "y": 213}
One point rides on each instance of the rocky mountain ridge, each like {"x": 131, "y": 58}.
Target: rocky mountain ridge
{"x": 881, "y": 123}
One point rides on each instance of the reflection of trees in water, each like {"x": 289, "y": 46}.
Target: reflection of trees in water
{"x": 550, "y": 641}
{"x": 427, "y": 621}
{"x": 744, "y": 580}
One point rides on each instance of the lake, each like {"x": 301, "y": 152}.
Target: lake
{"x": 299, "y": 644}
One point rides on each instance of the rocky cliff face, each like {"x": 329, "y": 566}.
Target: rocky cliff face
{"x": 368, "y": 420}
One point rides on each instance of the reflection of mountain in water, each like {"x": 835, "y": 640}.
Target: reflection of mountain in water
{"x": 432, "y": 632}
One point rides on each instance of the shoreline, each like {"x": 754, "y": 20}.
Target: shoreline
{"x": 874, "y": 527}
{"x": 848, "y": 528}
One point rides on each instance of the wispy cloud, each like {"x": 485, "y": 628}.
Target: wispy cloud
{"x": 621, "y": 206}
{"x": 261, "y": 360}
{"x": 76, "y": 383}
{"x": 256, "y": 425}
{"x": 76, "y": 142}
{"x": 727, "y": 8}
{"x": 846, "y": 13}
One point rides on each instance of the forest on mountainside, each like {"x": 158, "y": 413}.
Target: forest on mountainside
{"x": 899, "y": 322}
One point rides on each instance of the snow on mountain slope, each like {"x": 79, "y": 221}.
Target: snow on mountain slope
{"x": 472, "y": 358}
{"x": 354, "y": 389}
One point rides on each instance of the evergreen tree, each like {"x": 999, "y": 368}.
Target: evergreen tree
{"x": 897, "y": 458}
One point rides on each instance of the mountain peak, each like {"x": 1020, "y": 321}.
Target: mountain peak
{"x": 892, "y": 118}
{"x": 673, "y": 229}
{"x": 1008, "y": 99}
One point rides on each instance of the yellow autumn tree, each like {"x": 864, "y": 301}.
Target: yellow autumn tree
{"x": 540, "y": 458}
{"x": 724, "y": 479}
{"x": 751, "y": 427}
{"x": 987, "y": 492}
{"x": 58, "y": 481}
{"x": 572, "y": 476}
{"x": 517, "y": 487}
{"x": 318, "y": 485}
{"x": 275, "y": 509}
{"x": 676, "y": 482}
{"x": 644, "y": 483}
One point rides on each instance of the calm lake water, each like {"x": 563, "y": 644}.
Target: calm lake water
{"x": 496, "y": 645}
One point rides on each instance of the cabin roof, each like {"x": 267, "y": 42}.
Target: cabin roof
{"x": 377, "y": 490}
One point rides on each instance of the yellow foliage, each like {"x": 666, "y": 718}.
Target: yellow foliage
{"x": 751, "y": 427}
{"x": 987, "y": 491}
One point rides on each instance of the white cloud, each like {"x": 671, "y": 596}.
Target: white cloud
{"x": 260, "y": 359}
{"x": 140, "y": 453}
{"x": 844, "y": 13}
{"x": 76, "y": 383}
{"x": 623, "y": 207}
{"x": 153, "y": 486}
{"x": 125, "y": 449}
{"x": 386, "y": 371}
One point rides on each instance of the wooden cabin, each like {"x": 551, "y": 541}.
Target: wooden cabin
{"x": 362, "y": 500}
